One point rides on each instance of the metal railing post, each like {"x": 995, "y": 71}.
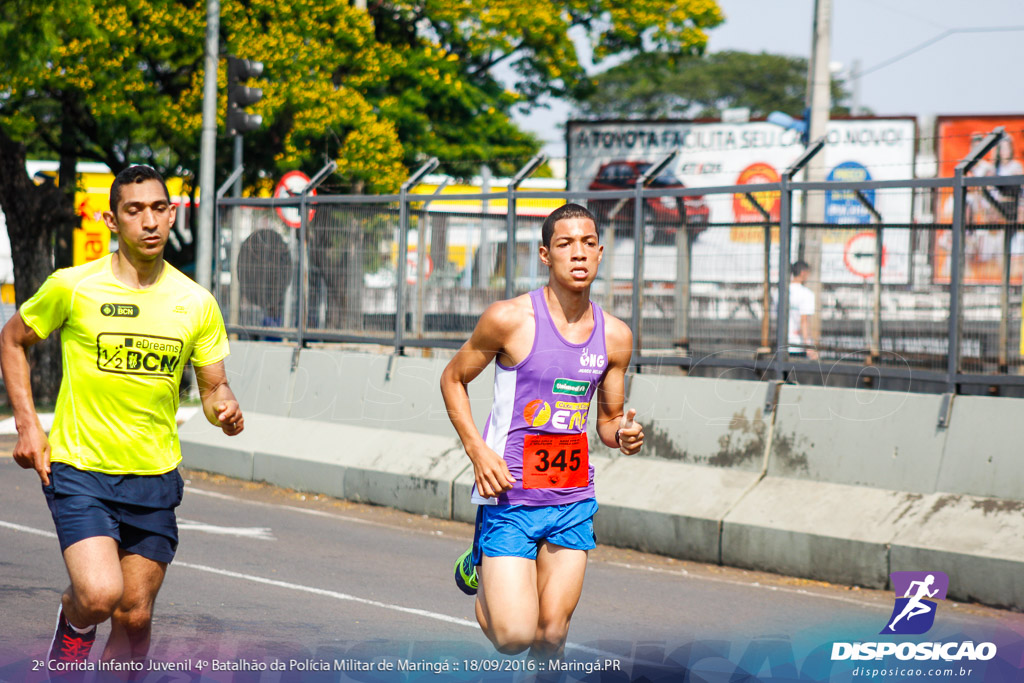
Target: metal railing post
{"x": 302, "y": 303}
{"x": 1004, "y": 299}
{"x": 785, "y": 234}
{"x": 956, "y": 258}
{"x": 234, "y": 289}
{"x": 636, "y": 319}
{"x": 875, "y": 346}
{"x": 403, "y": 246}
{"x": 511, "y": 220}
{"x": 957, "y": 255}
{"x": 419, "y": 319}
{"x": 766, "y": 291}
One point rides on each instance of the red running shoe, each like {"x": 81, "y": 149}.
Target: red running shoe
{"x": 68, "y": 644}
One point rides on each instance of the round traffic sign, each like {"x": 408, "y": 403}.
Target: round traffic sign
{"x": 859, "y": 254}
{"x": 412, "y": 267}
{"x": 291, "y": 185}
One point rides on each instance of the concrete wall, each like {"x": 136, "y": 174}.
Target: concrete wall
{"x": 843, "y": 485}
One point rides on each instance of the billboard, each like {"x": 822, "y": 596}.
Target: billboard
{"x": 749, "y": 153}
{"x": 991, "y": 206}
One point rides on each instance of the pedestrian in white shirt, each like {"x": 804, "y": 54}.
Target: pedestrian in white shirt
{"x": 801, "y": 308}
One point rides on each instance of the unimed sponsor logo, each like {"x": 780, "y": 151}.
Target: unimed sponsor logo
{"x": 570, "y": 387}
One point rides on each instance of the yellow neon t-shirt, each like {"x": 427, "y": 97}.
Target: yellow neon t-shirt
{"x": 123, "y": 352}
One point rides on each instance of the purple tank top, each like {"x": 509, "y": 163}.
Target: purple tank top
{"x": 541, "y": 407}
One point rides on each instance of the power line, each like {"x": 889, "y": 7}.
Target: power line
{"x": 932, "y": 41}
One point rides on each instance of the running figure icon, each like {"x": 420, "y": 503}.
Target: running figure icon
{"x": 915, "y": 606}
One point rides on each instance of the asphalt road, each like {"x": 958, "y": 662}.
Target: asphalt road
{"x": 267, "y": 577}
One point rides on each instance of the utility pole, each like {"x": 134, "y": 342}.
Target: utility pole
{"x": 819, "y": 84}
{"x": 207, "y": 190}
{"x": 855, "y": 88}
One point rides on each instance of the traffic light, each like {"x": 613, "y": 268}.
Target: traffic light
{"x": 240, "y": 96}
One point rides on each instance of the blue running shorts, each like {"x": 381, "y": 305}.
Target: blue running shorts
{"x": 87, "y": 504}
{"x": 518, "y": 530}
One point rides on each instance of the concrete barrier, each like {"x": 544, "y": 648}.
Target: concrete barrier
{"x": 704, "y": 449}
{"x": 404, "y": 470}
{"x": 834, "y": 484}
{"x": 260, "y": 375}
{"x": 858, "y": 437}
{"x": 984, "y": 441}
{"x": 844, "y": 470}
{"x": 978, "y": 542}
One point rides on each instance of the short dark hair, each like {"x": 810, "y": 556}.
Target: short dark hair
{"x": 139, "y": 173}
{"x": 799, "y": 268}
{"x": 564, "y": 212}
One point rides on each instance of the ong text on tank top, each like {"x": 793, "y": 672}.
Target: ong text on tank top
{"x": 538, "y": 422}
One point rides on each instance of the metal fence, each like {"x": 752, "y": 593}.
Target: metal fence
{"x": 414, "y": 270}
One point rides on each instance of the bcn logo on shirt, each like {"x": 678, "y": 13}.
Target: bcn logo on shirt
{"x": 119, "y": 310}
{"x": 137, "y": 354}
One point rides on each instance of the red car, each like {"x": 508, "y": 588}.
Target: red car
{"x": 661, "y": 214}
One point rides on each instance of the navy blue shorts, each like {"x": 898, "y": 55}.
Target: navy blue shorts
{"x": 518, "y": 530}
{"x": 135, "y": 510}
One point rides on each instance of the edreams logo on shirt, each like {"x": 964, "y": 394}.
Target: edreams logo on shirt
{"x": 914, "y": 612}
{"x": 119, "y": 310}
{"x": 137, "y": 354}
{"x": 570, "y": 387}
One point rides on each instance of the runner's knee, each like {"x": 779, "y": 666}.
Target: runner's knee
{"x": 551, "y": 636}
{"x": 96, "y": 601}
{"x": 511, "y": 639}
{"x": 134, "y": 619}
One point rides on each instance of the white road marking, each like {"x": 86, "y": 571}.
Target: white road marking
{"x": 28, "y": 530}
{"x": 458, "y": 621}
{"x": 622, "y": 565}
{"x": 326, "y": 593}
{"x": 260, "y": 533}
{"x": 305, "y": 511}
{"x": 744, "y": 584}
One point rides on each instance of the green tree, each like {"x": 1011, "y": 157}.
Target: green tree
{"x": 120, "y": 82}
{"x": 656, "y": 85}
{"x": 447, "y": 97}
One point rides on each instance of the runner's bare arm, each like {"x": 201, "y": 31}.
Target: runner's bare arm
{"x": 495, "y": 327}
{"x": 611, "y": 393}
{"x": 219, "y": 403}
{"x": 33, "y": 448}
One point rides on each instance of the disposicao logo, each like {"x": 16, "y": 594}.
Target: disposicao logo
{"x": 916, "y": 596}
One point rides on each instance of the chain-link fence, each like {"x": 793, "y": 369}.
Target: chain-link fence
{"x": 895, "y": 270}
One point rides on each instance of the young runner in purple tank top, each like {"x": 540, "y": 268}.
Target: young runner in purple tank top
{"x": 553, "y": 349}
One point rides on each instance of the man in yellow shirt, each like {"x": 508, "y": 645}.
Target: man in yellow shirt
{"x": 128, "y": 324}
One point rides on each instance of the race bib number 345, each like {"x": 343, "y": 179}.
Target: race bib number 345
{"x": 555, "y": 461}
